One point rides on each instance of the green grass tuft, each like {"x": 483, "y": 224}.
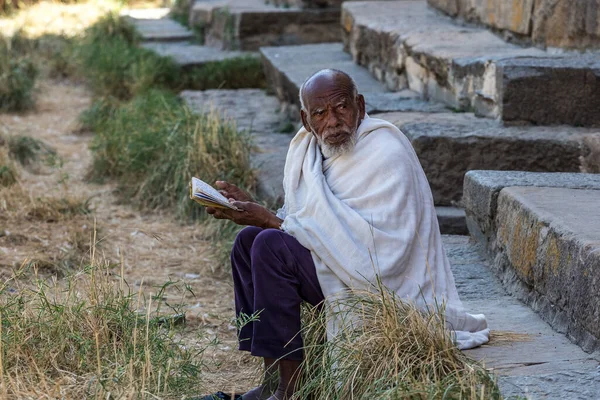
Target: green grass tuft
{"x": 115, "y": 66}
{"x": 154, "y": 144}
{"x": 17, "y": 76}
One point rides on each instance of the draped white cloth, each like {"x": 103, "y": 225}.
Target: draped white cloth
{"x": 370, "y": 212}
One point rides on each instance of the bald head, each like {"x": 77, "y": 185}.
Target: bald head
{"x": 326, "y": 78}
{"x": 332, "y": 110}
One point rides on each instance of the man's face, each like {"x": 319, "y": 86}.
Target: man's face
{"x": 333, "y": 114}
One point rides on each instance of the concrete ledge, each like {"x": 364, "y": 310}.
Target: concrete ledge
{"x": 481, "y": 190}
{"x": 547, "y": 253}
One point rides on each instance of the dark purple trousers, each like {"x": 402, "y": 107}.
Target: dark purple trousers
{"x": 272, "y": 275}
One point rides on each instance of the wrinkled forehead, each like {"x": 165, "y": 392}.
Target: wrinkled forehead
{"x": 327, "y": 88}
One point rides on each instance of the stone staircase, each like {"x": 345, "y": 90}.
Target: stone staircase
{"x": 406, "y": 44}
{"x": 168, "y": 38}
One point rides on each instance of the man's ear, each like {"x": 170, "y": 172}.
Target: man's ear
{"x": 361, "y": 107}
{"x": 304, "y": 117}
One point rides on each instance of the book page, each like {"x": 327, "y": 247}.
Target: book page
{"x": 202, "y": 191}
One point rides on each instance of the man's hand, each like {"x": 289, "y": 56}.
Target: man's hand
{"x": 250, "y": 213}
{"x": 233, "y": 192}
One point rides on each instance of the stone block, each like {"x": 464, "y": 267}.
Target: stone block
{"x": 551, "y": 91}
{"x": 514, "y": 16}
{"x": 481, "y": 190}
{"x": 549, "y": 241}
{"x": 549, "y": 23}
{"x": 567, "y": 24}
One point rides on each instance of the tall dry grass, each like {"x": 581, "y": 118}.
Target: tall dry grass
{"x": 390, "y": 350}
{"x": 90, "y": 335}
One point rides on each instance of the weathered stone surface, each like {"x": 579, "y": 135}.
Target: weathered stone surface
{"x": 191, "y": 55}
{"x": 548, "y": 254}
{"x": 481, "y": 190}
{"x": 250, "y": 24}
{"x": 567, "y": 24}
{"x": 514, "y": 16}
{"x": 286, "y": 74}
{"x": 538, "y": 363}
{"x": 155, "y": 26}
{"x": 564, "y": 24}
{"x": 550, "y": 91}
{"x": 450, "y": 144}
{"x": 405, "y": 44}
{"x": 253, "y": 110}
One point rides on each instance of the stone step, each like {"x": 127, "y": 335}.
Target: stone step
{"x": 405, "y": 44}
{"x": 189, "y": 55}
{"x": 546, "y": 250}
{"x": 260, "y": 114}
{"x": 287, "y": 67}
{"x": 154, "y": 25}
{"x": 530, "y": 360}
{"x": 451, "y": 144}
{"x": 250, "y": 24}
{"x": 481, "y": 189}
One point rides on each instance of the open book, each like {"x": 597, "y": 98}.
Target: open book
{"x": 204, "y": 194}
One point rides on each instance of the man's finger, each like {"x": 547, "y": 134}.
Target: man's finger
{"x": 240, "y": 205}
{"x": 211, "y": 210}
{"x": 223, "y": 185}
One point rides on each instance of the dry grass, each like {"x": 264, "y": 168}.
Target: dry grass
{"x": 8, "y": 169}
{"x": 17, "y": 203}
{"x": 154, "y": 247}
{"x": 388, "y": 349}
{"x": 89, "y": 336}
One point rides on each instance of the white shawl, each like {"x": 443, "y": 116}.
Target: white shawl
{"x": 370, "y": 212}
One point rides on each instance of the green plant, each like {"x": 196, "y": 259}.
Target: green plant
{"x": 111, "y": 26}
{"x": 386, "y": 349}
{"x": 17, "y": 77}
{"x": 154, "y": 144}
{"x": 8, "y": 171}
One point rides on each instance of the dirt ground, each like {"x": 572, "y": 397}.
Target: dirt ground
{"x": 153, "y": 247}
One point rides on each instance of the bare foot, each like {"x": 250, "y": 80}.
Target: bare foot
{"x": 258, "y": 393}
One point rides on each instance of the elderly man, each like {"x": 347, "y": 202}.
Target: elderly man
{"x": 355, "y": 196}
